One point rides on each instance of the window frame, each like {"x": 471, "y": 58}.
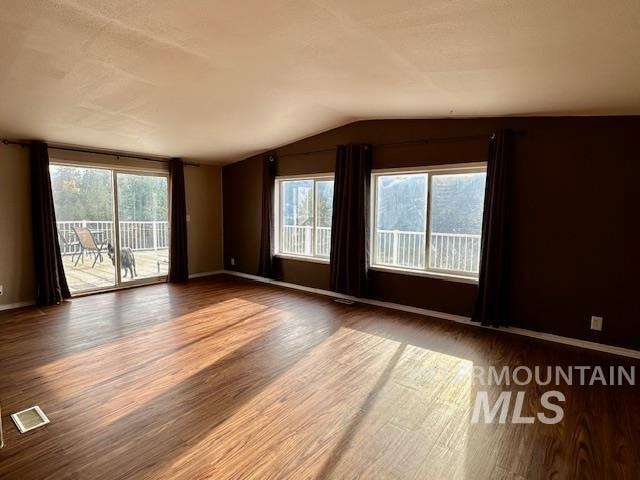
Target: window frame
{"x": 430, "y": 171}
{"x": 278, "y": 216}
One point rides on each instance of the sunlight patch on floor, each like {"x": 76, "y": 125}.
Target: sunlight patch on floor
{"x": 330, "y": 428}
{"x": 168, "y": 357}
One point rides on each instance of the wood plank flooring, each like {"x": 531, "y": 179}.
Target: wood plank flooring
{"x": 225, "y": 378}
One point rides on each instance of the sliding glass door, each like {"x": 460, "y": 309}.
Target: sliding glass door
{"x": 83, "y": 200}
{"x": 113, "y": 226}
{"x": 143, "y": 217}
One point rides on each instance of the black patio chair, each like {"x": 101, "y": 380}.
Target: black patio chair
{"x": 68, "y": 245}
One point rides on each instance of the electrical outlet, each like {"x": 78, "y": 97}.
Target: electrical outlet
{"x": 233, "y": 262}
{"x": 596, "y": 323}
{"x": 1, "y": 289}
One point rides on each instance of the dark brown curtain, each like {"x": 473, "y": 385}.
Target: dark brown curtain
{"x": 491, "y": 303}
{"x": 178, "y": 258}
{"x": 350, "y": 222}
{"x": 51, "y": 284}
{"x": 265, "y": 267}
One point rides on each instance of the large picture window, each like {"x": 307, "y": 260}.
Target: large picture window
{"x": 428, "y": 220}
{"x": 304, "y": 208}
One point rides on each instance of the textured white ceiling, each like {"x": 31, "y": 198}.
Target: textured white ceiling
{"x": 222, "y": 79}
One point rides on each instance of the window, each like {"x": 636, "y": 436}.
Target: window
{"x": 428, "y": 220}
{"x": 304, "y": 208}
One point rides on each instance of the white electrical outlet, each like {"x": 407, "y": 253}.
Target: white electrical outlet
{"x": 596, "y": 323}
{"x": 233, "y": 262}
{"x": 1, "y": 289}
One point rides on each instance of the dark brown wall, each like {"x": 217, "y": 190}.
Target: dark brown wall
{"x": 576, "y": 217}
{"x": 242, "y": 207}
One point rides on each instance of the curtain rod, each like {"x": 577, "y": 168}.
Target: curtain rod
{"x": 406, "y": 142}
{"x": 96, "y": 152}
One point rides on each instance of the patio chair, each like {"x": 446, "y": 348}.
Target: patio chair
{"x": 88, "y": 244}
{"x": 68, "y": 246}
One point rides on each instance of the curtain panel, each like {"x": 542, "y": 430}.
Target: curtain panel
{"x": 265, "y": 266}
{"x": 493, "y": 285}
{"x": 178, "y": 257}
{"x": 51, "y": 283}
{"x": 350, "y": 222}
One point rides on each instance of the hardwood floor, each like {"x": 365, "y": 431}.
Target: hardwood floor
{"x": 226, "y": 378}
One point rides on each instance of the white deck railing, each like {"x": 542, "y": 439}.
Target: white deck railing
{"x": 457, "y": 252}
{"x": 134, "y": 235}
{"x": 400, "y": 249}
{"x": 448, "y": 251}
{"x": 298, "y": 240}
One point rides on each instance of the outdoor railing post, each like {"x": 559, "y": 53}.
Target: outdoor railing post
{"x": 395, "y": 247}
{"x": 307, "y": 239}
{"x": 155, "y": 236}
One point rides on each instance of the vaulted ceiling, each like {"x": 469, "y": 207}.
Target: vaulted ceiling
{"x": 219, "y": 80}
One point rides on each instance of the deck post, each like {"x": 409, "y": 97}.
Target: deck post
{"x": 155, "y": 236}
{"x": 396, "y": 247}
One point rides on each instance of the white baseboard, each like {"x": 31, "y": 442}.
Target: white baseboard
{"x": 574, "y": 342}
{"x": 206, "y": 274}
{"x": 11, "y": 306}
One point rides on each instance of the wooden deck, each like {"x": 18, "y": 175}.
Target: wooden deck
{"x": 85, "y": 277}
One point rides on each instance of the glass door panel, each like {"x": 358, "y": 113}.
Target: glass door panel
{"x": 143, "y": 220}
{"x": 83, "y": 201}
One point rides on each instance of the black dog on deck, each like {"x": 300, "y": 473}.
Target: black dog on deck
{"x": 127, "y": 260}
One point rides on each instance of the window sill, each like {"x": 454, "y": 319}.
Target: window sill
{"x": 302, "y": 258}
{"x": 423, "y": 273}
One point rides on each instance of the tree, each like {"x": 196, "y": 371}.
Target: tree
{"x": 86, "y": 194}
